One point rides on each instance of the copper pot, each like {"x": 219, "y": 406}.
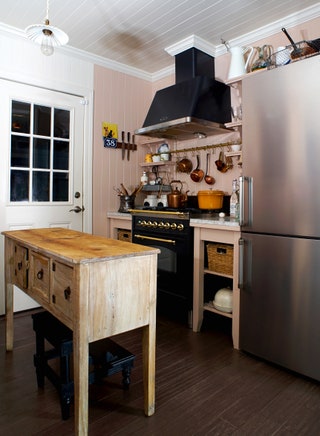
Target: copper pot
{"x": 184, "y": 165}
{"x": 197, "y": 174}
{"x": 221, "y": 165}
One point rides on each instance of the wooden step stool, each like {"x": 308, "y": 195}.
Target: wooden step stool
{"x": 105, "y": 358}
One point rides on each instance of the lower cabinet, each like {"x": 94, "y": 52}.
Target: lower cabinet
{"x": 119, "y": 222}
{"x": 215, "y": 268}
{"x": 62, "y": 288}
{"x": 45, "y": 279}
{"x": 20, "y": 266}
{"x": 40, "y": 275}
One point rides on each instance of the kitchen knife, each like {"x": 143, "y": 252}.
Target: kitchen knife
{"x": 133, "y": 138}
{"x": 123, "y": 145}
{"x": 129, "y": 145}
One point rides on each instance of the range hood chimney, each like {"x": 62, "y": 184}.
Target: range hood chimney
{"x": 196, "y": 105}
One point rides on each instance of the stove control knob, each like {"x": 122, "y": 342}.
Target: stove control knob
{"x": 173, "y": 226}
{"x": 166, "y": 225}
{"x": 161, "y": 225}
{"x": 155, "y": 224}
{"x": 180, "y": 227}
{"x": 149, "y": 224}
{"x": 143, "y": 223}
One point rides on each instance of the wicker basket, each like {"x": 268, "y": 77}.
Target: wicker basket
{"x": 124, "y": 235}
{"x": 220, "y": 258}
{"x": 292, "y": 53}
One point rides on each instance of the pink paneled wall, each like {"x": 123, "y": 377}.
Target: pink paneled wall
{"x": 123, "y": 99}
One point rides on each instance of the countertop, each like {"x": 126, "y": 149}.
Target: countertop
{"x": 77, "y": 247}
{"x": 203, "y": 220}
{"x": 213, "y": 220}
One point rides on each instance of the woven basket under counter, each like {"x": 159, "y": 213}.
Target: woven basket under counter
{"x": 124, "y": 235}
{"x": 220, "y": 258}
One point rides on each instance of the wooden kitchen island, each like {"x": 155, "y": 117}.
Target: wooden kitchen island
{"x": 96, "y": 286}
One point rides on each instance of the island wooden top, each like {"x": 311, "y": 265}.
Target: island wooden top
{"x": 77, "y": 247}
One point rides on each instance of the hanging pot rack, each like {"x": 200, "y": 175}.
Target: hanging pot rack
{"x": 205, "y": 147}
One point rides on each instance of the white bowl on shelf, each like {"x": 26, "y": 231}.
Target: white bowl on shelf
{"x": 223, "y": 300}
{"x": 236, "y": 147}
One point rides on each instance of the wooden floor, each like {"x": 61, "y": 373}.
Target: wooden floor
{"x": 203, "y": 387}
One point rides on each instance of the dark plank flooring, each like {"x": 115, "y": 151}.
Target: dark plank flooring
{"x": 203, "y": 387}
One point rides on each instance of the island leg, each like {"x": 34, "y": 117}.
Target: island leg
{"x": 149, "y": 357}
{"x": 9, "y": 317}
{"x": 81, "y": 352}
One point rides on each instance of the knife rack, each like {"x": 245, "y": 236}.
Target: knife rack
{"x": 126, "y": 146}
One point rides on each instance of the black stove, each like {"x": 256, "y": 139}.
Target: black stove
{"x": 169, "y": 230}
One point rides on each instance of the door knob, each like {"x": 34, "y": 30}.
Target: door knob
{"x": 77, "y": 209}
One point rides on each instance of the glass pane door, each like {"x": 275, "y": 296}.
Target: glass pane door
{"x": 40, "y": 153}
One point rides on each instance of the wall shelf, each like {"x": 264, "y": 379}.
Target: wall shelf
{"x": 157, "y": 164}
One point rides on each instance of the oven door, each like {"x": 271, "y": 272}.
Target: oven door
{"x": 175, "y": 271}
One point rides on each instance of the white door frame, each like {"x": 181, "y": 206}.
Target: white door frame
{"x": 87, "y": 101}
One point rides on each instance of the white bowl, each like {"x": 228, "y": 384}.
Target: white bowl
{"x": 223, "y": 300}
{"x": 236, "y": 147}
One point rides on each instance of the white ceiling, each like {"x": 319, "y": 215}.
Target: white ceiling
{"x": 137, "y": 32}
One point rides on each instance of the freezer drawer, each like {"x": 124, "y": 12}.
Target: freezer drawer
{"x": 280, "y": 301}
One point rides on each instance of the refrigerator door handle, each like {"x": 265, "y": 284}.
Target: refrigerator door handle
{"x": 246, "y": 198}
{"x": 245, "y": 265}
{"x": 241, "y": 254}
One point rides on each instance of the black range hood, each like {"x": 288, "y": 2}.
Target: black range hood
{"x": 196, "y": 105}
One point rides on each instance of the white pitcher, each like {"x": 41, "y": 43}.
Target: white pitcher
{"x": 238, "y": 66}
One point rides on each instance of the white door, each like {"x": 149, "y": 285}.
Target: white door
{"x": 41, "y": 164}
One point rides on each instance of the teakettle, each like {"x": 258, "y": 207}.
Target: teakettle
{"x": 238, "y": 66}
{"x": 176, "y": 199}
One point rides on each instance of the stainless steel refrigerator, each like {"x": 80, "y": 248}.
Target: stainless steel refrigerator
{"x": 280, "y": 217}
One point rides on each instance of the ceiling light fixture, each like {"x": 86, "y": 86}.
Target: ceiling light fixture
{"x": 47, "y": 36}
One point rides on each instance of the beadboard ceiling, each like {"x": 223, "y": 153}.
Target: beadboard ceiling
{"x": 136, "y": 33}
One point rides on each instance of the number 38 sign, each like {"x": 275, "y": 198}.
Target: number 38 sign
{"x": 109, "y": 134}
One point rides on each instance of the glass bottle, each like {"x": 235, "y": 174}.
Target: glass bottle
{"x": 144, "y": 178}
{"x": 234, "y": 200}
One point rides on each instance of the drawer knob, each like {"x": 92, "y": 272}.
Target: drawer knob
{"x": 40, "y": 274}
{"x": 67, "y": 293}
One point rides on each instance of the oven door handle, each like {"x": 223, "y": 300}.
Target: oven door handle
{"x": 152, "y": 238}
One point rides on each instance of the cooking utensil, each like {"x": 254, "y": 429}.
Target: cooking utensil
{"x": 137, "y": 190}
{"x": 184, "y": 165}
{"x": 297, "y": 52}
{"x": 315, "y": 44}
{"x": 197, "y": 174}
{"x": 208, "y": 179}
{"x": 118, "y": 190}
{"x": 229, "y": 162}
{"x": 210, "y": 199}
{"x": 129, "y": 145}
{"x": 133, "y": 139}
{"x": 124, "y": 189}
{"x": 220, "y": 163}
{"x": 123, "y": 145}
{"x": 176, "y": 199}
